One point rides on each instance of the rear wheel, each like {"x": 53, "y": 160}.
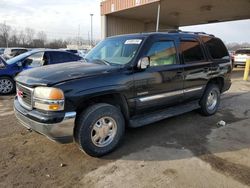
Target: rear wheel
{"x": 211, "y": 100}
{"x": 100, "y": 129}
{"x": 7, "y": 85}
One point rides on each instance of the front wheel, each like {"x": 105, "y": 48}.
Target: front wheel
{"x": 211, "y": 100}
{"x": 7, "y": 86}
{"x": 99, "y": 129}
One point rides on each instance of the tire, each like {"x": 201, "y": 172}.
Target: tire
{"x": 7, "y": 85}
{"x": 212, "y": 93}
{"x": 97, "y": 121}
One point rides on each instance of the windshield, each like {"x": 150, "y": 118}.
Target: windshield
{"x": 118, "y": 50}
{"x": 18, "y": 58}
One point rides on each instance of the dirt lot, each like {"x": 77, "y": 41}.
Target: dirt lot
{"x": 184, "y": 151}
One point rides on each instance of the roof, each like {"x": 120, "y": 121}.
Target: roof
{"x": 47, "y": 50}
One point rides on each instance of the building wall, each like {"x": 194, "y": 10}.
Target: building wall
{"x": 109, "y": 6}
{"x": 118, "y": 26}
{"x": 151, "y": 27}
{"x": 112, "y": 25}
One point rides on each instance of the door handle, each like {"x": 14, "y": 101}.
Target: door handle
{"x": 206, "y": 69}
{"x": 179, "y": 74}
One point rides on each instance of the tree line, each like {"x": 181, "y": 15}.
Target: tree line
{"x": 235, "y": 46}
{"x": 29, "y": 38}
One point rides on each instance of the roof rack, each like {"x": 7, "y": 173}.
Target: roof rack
{"x": 197, "y": 33}
{"x": 180, "y": 31}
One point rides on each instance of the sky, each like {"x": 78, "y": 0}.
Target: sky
{"x": 65, "y": 18}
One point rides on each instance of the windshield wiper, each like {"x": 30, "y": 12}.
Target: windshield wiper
{"x": 85, "y": 60}
{"x": 101, "y": 61}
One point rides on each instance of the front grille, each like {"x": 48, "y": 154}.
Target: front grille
{"x": 24, "y": 95}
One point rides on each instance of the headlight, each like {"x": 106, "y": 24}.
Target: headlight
{"x": 49, "y": 99}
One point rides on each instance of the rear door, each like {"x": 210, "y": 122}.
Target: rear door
{"x": 161, "y": 84}
{"x": 196, "y": 67}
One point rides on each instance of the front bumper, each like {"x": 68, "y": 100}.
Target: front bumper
{"x": 61, "y": 130}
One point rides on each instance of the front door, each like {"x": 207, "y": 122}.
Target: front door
{"x": 161, "y": 84}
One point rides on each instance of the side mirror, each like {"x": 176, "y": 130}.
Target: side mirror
{"x": 143, "y": 63}
{"x": 19, "y": 64}
{"x": 27, "y": 62}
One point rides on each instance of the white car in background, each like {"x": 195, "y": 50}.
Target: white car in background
{"x": 241, "y": 56}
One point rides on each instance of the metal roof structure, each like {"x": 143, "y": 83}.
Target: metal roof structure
{"x": 126, "y": 16}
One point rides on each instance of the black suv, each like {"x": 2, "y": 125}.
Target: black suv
{"x": 130, "y": 80}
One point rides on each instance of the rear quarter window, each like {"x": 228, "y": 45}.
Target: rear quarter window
{"x": 216, "y": 48}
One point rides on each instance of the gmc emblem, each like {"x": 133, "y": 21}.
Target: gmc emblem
{"x": 19, "y": 93}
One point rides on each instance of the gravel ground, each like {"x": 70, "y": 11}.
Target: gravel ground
{"x": 185, "y": 151}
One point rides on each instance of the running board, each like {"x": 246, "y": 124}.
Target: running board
{"x": 163, "y": 114}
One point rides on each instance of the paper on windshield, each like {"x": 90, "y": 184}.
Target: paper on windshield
{"x": 133, "y": 41}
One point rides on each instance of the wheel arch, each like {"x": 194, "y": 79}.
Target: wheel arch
{"x": 8, "y": 76}
{"x": 219, "y": 81}
{"x": 115, "y": 99}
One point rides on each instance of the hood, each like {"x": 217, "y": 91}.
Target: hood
{"x": 54, "y": 74}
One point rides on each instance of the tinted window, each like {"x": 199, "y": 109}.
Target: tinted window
{"x": 162, "y": 53}
{"x": 16, "y": 52}
{"x": 72, "y": 51}
{"x": 60, "y": 57}
{"x": 216, "y": 48}
{"x": 191, "y": 51}
{"x": 74, "y": 57}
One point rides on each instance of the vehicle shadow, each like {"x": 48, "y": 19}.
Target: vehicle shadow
{"x": 189, "y": 131}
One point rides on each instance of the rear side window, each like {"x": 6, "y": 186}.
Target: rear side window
{"x": 191, "y": 51}
{"x": 216, "y": 48}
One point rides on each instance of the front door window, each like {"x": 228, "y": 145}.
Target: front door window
{"x": 35, "y": 60}
{"x": 162, "y": 53}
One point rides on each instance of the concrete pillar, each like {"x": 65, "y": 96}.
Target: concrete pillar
{"x": 158, "y": 16}
{"x": 104, "y": 26}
